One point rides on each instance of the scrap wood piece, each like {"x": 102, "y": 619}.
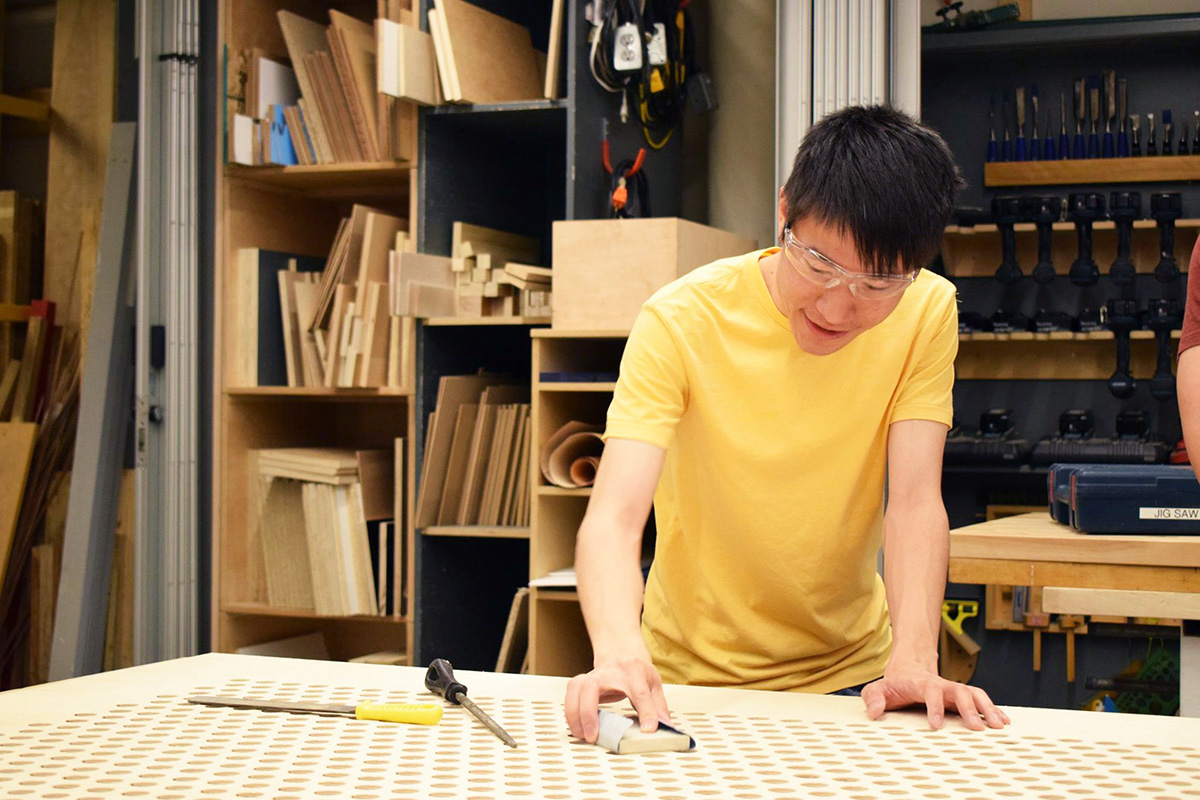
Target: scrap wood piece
{"x": 503, "y": 246}
{"x": 17, "y": 444}
{"x": 516, "y": 634}
{"x": 82, "y": 95}
{"x": 492, "y": 56}
{"x": 407, "y": 64}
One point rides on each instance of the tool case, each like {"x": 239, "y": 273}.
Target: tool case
{"x": 1058, "y": 488}
{"x": 1127, "y": 498}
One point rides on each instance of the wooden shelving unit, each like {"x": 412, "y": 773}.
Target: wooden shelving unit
{"x": 1143, "y": 169}
{"x": 293, "y": 210}
{"x": 558, "y": 641}
{"x": 974, "y": 251}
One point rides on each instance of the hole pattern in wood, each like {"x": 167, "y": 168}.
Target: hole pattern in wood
{"x": 169, "y": 749}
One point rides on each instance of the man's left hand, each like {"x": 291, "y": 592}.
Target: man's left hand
{"x": 907, "y": 687}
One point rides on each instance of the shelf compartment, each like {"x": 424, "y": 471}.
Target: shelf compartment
{"x": 1034, "y": 359}
{"x": 281, "y": 422}
{"x": 558, "y": 638}
{"x": 975, "y": 252}
{"x": 479, "y": 531}
{"x": 260, "y": 610}
{"x": 1142, "y": 169}
{"x": 346, "y": 637}
{"x": 329, "y": 180}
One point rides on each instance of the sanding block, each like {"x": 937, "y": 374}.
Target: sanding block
{"x": 622, "y": 735}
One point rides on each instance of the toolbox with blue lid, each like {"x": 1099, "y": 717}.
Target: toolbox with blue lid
{"x": 1058, "y": 489}
{"x": 1135, "y": 498}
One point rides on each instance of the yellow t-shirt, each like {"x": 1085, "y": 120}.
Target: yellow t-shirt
{"x": 770, "y": 506}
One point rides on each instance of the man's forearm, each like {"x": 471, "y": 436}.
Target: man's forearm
{"x": 916, "y": 551}
{"x": 609, "y": 575}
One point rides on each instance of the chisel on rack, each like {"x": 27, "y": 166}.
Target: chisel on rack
{"x": 993, "y": 147}
{"x": 1135, "y": 128}
{"x": 1006, "y": 146}
{"x": 1064, "y": 150}
{"x": 1079, "y": 146}
{"x": 1035, "y": 144}
{"x": 1093, "y": 144}
{"x": 1048, "y": 152}
{"x": 1110, "y": 112}
{"x": 1151, "y": 136}
{"x": 1166, "y": 120}
{"x": 1122, "y": 118}
{"x": 1019, "y": 98}
{"x": 1196, "y": 138}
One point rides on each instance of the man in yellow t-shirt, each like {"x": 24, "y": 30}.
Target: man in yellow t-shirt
{"x": 764, "y": 401}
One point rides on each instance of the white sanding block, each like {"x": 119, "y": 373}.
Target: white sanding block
{"x": 622, "y": 735}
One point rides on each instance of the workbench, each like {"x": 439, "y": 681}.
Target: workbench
{"x": 1091, "y": 574}
{"x": 130, "y": 733}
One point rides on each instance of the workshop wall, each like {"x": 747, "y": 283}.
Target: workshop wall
{"x": 741, "y": 183}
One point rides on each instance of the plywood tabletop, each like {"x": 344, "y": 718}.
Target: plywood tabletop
{"x": 132, "y": 730}
{"x": 1036, "y": 537}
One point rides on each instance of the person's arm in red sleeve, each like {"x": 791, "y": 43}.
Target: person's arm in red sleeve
{"x": 1188, "y": 380}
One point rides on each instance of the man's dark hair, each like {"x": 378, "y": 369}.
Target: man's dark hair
{"x": 880, "y": 175}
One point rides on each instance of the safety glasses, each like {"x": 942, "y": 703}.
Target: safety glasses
{"x": 825, "y": 273}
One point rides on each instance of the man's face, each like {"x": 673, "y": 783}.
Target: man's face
{"x": 824, "y": 320}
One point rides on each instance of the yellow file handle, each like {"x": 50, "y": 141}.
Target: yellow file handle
{"x": 414, "y": 713}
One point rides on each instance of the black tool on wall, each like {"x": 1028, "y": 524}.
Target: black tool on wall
{"x": 1084, "y": 209}
{"x": 1007, "y": 212}
{"x": 1045, "y": 211}
{"x": 1123, "y": 209}
{"x": 1122, "y": 316}
{"x": 1165, "y": 208}
{"x": 1162, "y": 317}
{"x": 995, "y": 443}
{"x": 1075, "y": 441}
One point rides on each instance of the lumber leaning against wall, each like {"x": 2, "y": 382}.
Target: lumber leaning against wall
{"x": 81, "y": 114}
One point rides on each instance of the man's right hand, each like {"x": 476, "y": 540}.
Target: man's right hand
{"x": 613, "y": 679}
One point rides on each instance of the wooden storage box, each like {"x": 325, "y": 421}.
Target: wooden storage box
{"x": 604, "y": 269}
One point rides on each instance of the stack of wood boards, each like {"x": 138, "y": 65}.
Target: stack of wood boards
{"x": 318, "y": 102}
{"x": 476, "y": 464}
{"x": 301, "y": 321}
{"x": 33, "y": 497}
{"x": 495, "y": 276}
{"x": 329, "y": 538}
{"x": 485, "y": 58}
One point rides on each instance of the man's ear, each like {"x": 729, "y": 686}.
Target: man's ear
{"x": 781, "y": 215}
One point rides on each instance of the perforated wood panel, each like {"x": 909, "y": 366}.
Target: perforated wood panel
{"x": 130, "y": 734}
{"x": 166, "y": 748}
